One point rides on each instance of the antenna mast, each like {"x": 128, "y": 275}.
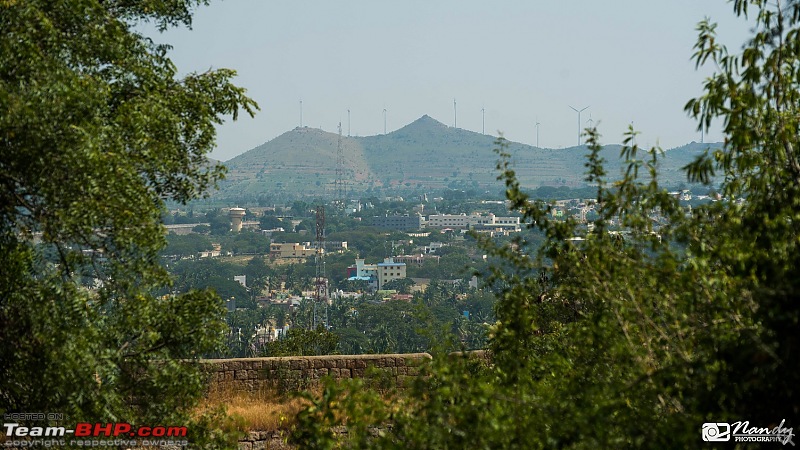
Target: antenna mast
{"x": 339, "y": 184}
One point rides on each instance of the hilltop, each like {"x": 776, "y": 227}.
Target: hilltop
{"x": 425, "y": 153}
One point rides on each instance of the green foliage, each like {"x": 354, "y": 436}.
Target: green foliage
{"x": 401, "y": 285}
{"x": 657, "y": 319}
{"x": 272, "y": 222}
{"x": 186, "y": 245}
{"x": 96, "y": 132}
{"x": 302, "y": 342}
{"x": 219, "y": 223}
{"x": 246, "y": 242}
{"x": 242, "y": 339}
{"x": 201, "y": 229}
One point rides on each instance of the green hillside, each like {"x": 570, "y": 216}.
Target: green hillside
{"x": 425, "y": 153}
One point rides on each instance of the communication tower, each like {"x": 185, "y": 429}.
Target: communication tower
{"x": 340, "y": 190}
{"x": 320, "y": 280}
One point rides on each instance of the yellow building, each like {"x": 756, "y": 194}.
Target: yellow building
{"x": 291, "y": 250}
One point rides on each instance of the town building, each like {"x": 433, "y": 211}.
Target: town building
{"x": 291, "y": 250}
{"x": 405, "y": 222}
{"x": 473, "y": 221}
{"x": 332, "y": 246}
{"x": 377, "y": 274}
{"x": 418, "y": 259}
{"x": 390, "y": 270}
{"x": 183, "y": 228}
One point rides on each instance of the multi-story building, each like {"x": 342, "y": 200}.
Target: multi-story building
{"x": 390, "y": 270}
{"x": 418, "y": 259}
{"x": 377, "y": 274}
{"x": 291, "y": 250}
{"x": 405, "y": 222}
{"x": 478, "y": 221}
{"x": 332, "y": 246}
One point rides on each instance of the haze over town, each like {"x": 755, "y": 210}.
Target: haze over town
{"x": 521, "y": 62}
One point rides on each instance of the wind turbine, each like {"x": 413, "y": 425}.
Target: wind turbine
{"x": 537, "y": 134}
{"x": 579, "y": 120}
{"x": 348, "y": 122}
{"x": 483, "y": 120}
{"x": 301, "y": 113}
{"x": 384, "y": 120}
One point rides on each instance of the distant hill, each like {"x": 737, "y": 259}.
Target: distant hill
{"x": 425, "y": 153}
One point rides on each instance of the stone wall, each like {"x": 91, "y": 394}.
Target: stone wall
{"x": 299, "y": 372}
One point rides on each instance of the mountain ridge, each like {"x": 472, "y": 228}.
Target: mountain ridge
{"x": 423, "y": 154}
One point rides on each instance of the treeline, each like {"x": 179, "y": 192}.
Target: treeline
{"x": 445, "y": 317}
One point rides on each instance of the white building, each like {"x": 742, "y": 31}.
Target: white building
{"x": 463, "y": 221}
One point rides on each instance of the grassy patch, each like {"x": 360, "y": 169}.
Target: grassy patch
{"x": 265, "y": 410}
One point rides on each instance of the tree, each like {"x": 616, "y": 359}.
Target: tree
{"x": 272, "y": 222}
{"x": 302, "y": 342}
{"x": 219, "y": 224}
{"x": 639, "y": 335}
{"x": 97, "y": 131}
{"x": 248, "y": 242}
{"x": 186, "y": 245}
{"x": 201, "y": 229}
{"x": 401, "y": 285}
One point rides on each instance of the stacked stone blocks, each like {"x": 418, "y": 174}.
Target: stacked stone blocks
{"x": 300, "y": 372}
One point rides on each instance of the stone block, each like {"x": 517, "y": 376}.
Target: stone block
{"x": 295, "y": 364}
{"x": 253, "y": 436}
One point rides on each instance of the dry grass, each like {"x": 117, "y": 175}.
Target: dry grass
{"x": 261, "y": 411}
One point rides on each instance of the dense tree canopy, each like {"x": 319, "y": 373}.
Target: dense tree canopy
{"x": 96, "y": 132}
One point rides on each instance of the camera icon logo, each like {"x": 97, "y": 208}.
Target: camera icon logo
{"x": 716, "y": 432}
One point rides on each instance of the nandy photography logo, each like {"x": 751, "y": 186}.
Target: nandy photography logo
{"x": 741, "y": 431}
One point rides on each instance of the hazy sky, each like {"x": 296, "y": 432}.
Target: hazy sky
{"x": 523, "y": 61}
